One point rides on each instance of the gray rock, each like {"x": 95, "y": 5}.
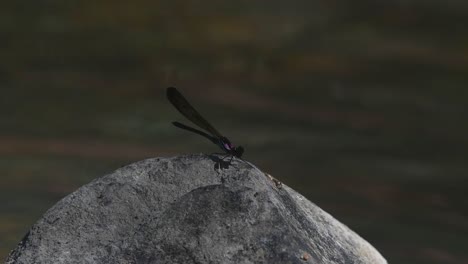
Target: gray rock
{"x": 188, "y": 210}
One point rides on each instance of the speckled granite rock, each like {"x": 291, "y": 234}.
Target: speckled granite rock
{"x": 186, "y": 210}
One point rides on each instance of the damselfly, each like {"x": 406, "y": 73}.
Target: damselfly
{"x": 186, "y": 109}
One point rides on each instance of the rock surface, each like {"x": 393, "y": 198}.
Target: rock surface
{"x": 187, "y": 210}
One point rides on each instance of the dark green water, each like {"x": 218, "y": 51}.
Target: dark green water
{"x": 361, "y": 107}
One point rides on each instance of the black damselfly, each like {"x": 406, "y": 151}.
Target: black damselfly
{"x": 186, "y": 109}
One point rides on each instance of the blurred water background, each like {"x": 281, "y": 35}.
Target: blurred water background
{"x": 361, "y": 105}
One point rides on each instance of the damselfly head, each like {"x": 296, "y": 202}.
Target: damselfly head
{"x": 238, "y": 151}
{"x": 230, "y": 148}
